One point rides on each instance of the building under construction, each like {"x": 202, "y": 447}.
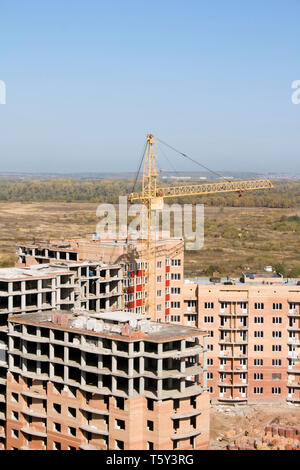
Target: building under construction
{"x": 104, "y": 382}
{"x": 97, "y": 374}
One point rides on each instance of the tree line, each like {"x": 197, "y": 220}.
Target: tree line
{"x": 285, "y": 194}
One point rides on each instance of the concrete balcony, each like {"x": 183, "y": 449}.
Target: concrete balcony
{"x": 235, "y": 328}
{"x": 187, "y": 435}
{"x": 294, "y": 341}
{"x": 33, "y": 432}
{"x": 228, "y": 384}
{"x": 226, "y": 355}
{"x": 293, "y": 384}
{"x": 97, "y": 411}
{"x": 239, "y": 314}
{"x": 35, "y": 414}
{"x": 35, "y": 395}
{"x": 233, "y": 341}
{"x": 88, "y": 447}
{"x": 232, "y": 399}
{"x": 189, "y": 414}
{"x": 293, "y": 399}
{"x": 93, "y": 429}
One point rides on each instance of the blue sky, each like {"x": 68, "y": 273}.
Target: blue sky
{"x": 87, "y": 80}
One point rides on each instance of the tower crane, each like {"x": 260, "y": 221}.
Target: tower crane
{"x": 152, "y": 196}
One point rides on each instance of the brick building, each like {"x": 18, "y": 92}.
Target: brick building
{"x": 56, "y": 286}
{"x": 166, "y": 268}
{"x": 254, "y": 344}
{"x": 105, "y": 381}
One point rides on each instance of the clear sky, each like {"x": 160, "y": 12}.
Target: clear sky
{"x": 87, "y": 80}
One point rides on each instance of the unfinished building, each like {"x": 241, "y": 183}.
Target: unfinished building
{"x": 166, "y": 262}
{"x": 105, "y": 381}
{"x": 57, "y": 286}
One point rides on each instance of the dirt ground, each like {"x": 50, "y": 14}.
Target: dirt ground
{"x": 235, "y": 238}
{"x": 228, "y": 423}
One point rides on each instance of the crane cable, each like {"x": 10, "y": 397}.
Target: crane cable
{"x": 192, "y": 160}
{"x": 139, "y": 168}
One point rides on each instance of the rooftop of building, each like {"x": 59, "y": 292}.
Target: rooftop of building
{"x": 32, "y": 272}
{"x": 117, "y": 324}
{"x": 257, "y": 280}
{"x": 262, "y": 274}
{"x": 110, "y": 239}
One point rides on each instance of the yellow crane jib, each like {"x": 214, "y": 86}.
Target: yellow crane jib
{"x": 198, "y": 189}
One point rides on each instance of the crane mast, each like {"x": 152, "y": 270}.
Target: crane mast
{"x": 152, "y": 197}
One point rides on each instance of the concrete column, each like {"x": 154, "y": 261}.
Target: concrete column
{"x": 57, "y": 295}
{"x": 130, "y": 388}
{"x": 83, "y": 359}
{"x": 39, "y": 300}
{"x": 10, "y": 303}
{"x": 113, "y": 384}
{"x": 113, "y": 364}
{"x": 130, "y": 367}
{"x": 51, "y": 371}
{"x": 142, "y": 365}
{"x": 182, "y": 365}
{"x": 182, "y": 385}
{"x": 142, "y": 385}
{"x": 66, "y": 354}
{"x": 159, "y": 367}
{"x": 66, "y": 373}
{"x": 100, "y": 381}
{"x": 51, "y": 351}
{"x": 83, "y": 378}
{"x": 23, "y": 302}
{"x": 159, "y": 389}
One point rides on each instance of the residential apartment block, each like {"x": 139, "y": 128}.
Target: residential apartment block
{"x": 56, "y": 286}
{"x": 105, "y": 381}
{"x": 166, "y": 268}
{"x": 254, "y": 343}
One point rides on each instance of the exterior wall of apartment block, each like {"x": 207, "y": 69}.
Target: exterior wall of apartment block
{"x": 70, "y": 388}
{"x": 254, "y": 343}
